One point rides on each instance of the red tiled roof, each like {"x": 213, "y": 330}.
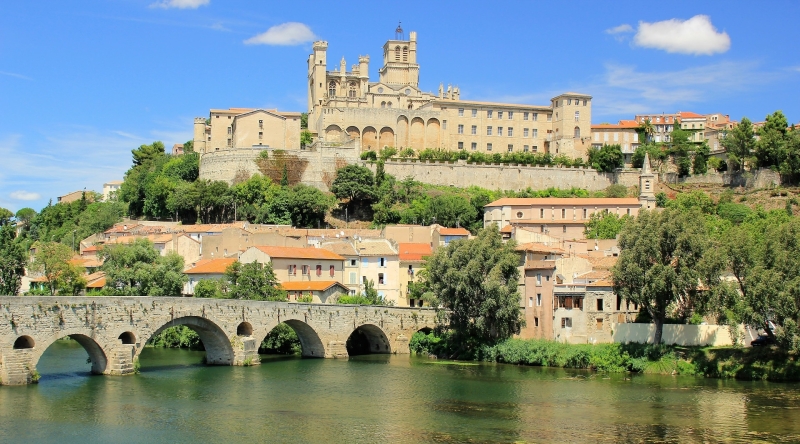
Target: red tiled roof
{"x": 300, "y": 253}
{"x": 507, "y": 229}
{"x": 575, "y": 201}
{"x": 211, "y": 266}
{"x": 690, "y": 115}
{"x": 309, "y": 285}
{"x": 623, "y": 124}
{"x": 536, "y": 247}
{"x": 413, "y": 251}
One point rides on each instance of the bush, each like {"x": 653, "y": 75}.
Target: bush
{"x": 616, "y": 191}
{"x": 369, "y": 155}
{"x": 407, "y": 152}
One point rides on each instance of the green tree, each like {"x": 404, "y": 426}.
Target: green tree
{"x": 647, "y": 129}
{"x": 656, "y": 152}
{"x": 700, "y": 162}
{"x": 661, "y": 265}
{"x": 771, "y": 142}
{"x": 137, "y": 269}
{"x": 451, "y": 210}
{"x": 604, "y": 225}
{"x": 476, "y": 281}
{"x": 210, "y": 288}
{"x": 12, "y": 256}
{"x": 607, "y": 158}
{"x": 369, "y": 296}
{"x": 616, "y": 190}
{"x": 303, "y": 120}
{"x": 306, "y": 138}
{"x": 739, "y": 144}
{"x": 254, "y": 281}
{"x": 353, "y": 182}
{"x": 308, "y": 206}
{"x": 51, "y": 261}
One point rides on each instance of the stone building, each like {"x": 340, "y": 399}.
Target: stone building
{"x": 623, "y": 134}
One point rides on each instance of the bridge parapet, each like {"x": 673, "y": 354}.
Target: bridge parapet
{"x": 114, "y": 330}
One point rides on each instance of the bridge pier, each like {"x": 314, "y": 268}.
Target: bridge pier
{"x": 120, "y": 360}
{"x": 16, "y": 367}
{"x": 245, "y": 351}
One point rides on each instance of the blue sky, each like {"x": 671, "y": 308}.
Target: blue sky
{"x": 84, "y": 82}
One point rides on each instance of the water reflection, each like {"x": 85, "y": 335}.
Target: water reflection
{"x": 383, "y": 398}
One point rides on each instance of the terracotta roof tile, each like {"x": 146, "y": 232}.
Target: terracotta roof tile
{"x": 603, "y": 263}
{"x": 309, "y": 285}
{"x": 342, "y": 248}
{"x": 601, "y": 283}
{"x": 413, "y": 252}
{"x": 211, "y": 266}
{"x": 375, "y": 248}
{"x": 300, "y": 253}
{"x": 536, "y": 247}
{"x": 575, "y": 201}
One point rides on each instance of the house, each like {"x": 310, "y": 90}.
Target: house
{"x": 352, "y": 262}
{"x": 111, "y": 189}
{"x": 412, "y": 259}
{"x": 624, "y": 134}
{"x": 297, "y": 264}
{"x": 205, "y": 269}
{"x": 380, "y": 264}
{"x": 442, "y": 236}
{"x": 317, "y": 292}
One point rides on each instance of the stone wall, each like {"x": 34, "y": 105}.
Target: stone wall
{"x": 679, "y": 334}
{"x": 114, "y": 330}
{"x": 762, "y": 178}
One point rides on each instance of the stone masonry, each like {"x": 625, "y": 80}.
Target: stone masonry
{"x": 114, "y": 330}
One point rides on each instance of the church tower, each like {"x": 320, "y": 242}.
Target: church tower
{"x": 647, "y": 184}
{"x": 400, "y": 60}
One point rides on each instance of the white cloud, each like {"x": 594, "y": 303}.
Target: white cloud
{"x": 180, "y": 4}
{"x": 24, "y": 195}
{"x": 620, "y": 29}
{"x": 285, "y": 34}
{"x": 694, "y": 36}
{"x": 13, "y": 74}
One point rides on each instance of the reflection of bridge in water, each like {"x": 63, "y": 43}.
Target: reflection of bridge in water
{"x": 114, "y": 330}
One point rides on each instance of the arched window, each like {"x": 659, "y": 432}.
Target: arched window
{"x": 332, "y": 89}
{"x": 389, "y": 105}
{"x": 351, "y": 92}
{"x": 383, "y": 104}
{"x": 397, "y": 53}
{"x": 577, "y": 132}
{"x": 405, "y": 53}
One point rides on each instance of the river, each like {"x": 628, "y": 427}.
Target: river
{"x": 382, "y": 399}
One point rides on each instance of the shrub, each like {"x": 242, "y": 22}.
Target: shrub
{"x": 369, "y": 155}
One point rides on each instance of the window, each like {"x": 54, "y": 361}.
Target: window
{"x": 230, "y": 142}
{"x": 319, "y": 270}
{"x": 364, "y": 261}
{"x": 461, "y": 145}
{"x": 353, "y": 277}
{"x": 566, "y": 322}
{"x": 405, "y": 53}
{"x": 538, "y": 278}
{"x": 525, "y": 148}
{"x": 461, "y": 112}
{"x": 538, "y": 299}
{"x": 363, "y": 279}
{"x": 535, "y": 133}
{"x": 474, "y": 130}
{"x": 305, "y": 270}
{"x": 510, "y": 132}
{"x": 563, "y": 213}
{"x": 444, "y": 124}
{"x": 577, "y": 116}
{"x": 535, "y": 322}
{"x": 569, "y": 101}
{"x": 292, "y": 269}
{"x": 584, "y": 102}
{"x": 380, "y": 90}
{"x": 510, "y": 115}
{"x": 499, "y": 114}
{"x": 599, "y": 305}
{"x": 488, "y": 147}
{"x": 260, "y": 134}
{"x": 530, "y": 301}
{"x": 230, "y": 131}
{"x": 499, "y": 130}
{"x": 541, "y": 213}
{"x": 525, "y": 116}
{"x": 408, "y": 93}
{"x": 352, "y": 262}
{"x": 261, "y": 124}
{"x": 629, "y": 211}
{"x": 565, "y": 229}
{"x": 382, "y": 262}
{"x": 351, "y": 90}
{"x": 525, "y": 132}
{"x": 381, "y": 281}
{"x": 488, "y": 130}
{"x": 474, "y": 146}
{"x": 489, "y": 114}
{"x": 510, "y": 148}
{"x": 542, "y": 228}
{"x": 332, "y": 89}
{"x": 332, "y": 270}
{"x": 474, "y": 113}
{"x": 460, "y": 129}
{"x": 535, "y": 117}
{"x": 397, "y": 53}
{"x": 549, "y": 117}
{"x": 584, "y": 213}
{"x": 577, "y": 134}
{"x": 599, "y": 324}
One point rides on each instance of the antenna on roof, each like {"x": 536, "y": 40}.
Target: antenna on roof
{"x": 398, "y": 33}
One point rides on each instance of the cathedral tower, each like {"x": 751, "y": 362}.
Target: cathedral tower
{"x": 400, "y": 60}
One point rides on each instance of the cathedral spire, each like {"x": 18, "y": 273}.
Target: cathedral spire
{"x": 646, "y": 164}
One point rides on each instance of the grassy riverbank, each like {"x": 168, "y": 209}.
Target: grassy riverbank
{"x": 760, "y": 363}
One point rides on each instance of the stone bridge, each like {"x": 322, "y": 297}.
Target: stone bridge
{"x": 114, "y": 330}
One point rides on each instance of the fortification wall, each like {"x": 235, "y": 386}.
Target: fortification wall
{"x": 761, "y": 178}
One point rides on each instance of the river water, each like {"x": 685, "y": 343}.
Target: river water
{"x": 383, "y": 399}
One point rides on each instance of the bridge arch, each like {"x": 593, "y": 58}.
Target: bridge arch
{"x": 310, "y": 343}
{"x": 219, "y": 350}
{"x": 95, "y": 350}
{"x": 368, "y": 339}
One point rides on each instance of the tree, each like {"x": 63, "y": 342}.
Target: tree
{"x": 607, "y": 158}
{"x": 303, "y": 120}
{"x": 771, "y": 142}
{"x": 647, "y": 129}
{"x": 306, "y": 138}
{"x": 661, "y": 265}
{"x": 656, "y": 152}
{"x": 353, "y": 182}
{"x": 308, "y": 206}
{"x": 604, "y": 225}
{"x": 254, "y": 281}
{"x": 451, "y": 210}
{"x": 12, "y": 256}
{"x": 477, "y": 282}
{"x": 209, "y": 288}
{"x": 740, "y": 143}
{"x": 137, "y": 269}
{"x": 700, "y": 162}
{"x": 616, "y": 190}
{"x": 51, "y": 260}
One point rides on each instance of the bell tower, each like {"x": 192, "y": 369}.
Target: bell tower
{"x": 400, "y": 60}
{"x": 647, "y": 184}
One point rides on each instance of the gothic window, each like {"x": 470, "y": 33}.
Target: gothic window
{"x": 405, "y": 53}
{"x": 577, "y": 116}
{"x": 383, "y": 104}
{"x": 397, "y": 54}
{"x": 352, "y": 90}
{"x": 389, "y": 104}
{"x": 332, "y": 89}
{"x": 577, "y": 132}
